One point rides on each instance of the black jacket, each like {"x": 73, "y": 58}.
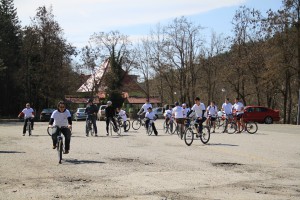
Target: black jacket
{"x": 110, "y": 111}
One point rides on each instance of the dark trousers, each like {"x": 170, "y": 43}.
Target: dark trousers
{"x": 93, "y": 119}
{"x": 200, "y": 128}
{"x": 153, "y": 126}
{"x": 66, "y": 132}
{"x": 107, "y": 123}
{"x": 25, "y": 123}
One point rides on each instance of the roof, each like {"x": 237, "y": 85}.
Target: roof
{"x": 137, "y": 100}
{"x": 89, "y": 84}
{"x": 71, "y": 99}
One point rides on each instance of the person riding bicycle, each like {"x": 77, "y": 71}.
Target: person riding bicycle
{"x": 199, "y": 112}
{"x": 212, "y": 111}
{"x": 144, "y": 107}
{"x": 168, "y": 116}
{"x": 177, "y": 113}
{"x": 238, "y": 109}
{"x": 61, "y": 118}
{"x": 28, "y": 114}
{"x": 91, "y": 110}
{"x": 186, "y": 110}
{"x": 150, "y": 116}
{"x": 122, "y": 115}
{"x": 110, "y": 112}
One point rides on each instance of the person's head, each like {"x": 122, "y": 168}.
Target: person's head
{"x": 149, "y": 109}
{"x": 61, "y": 106}
{"x": 236, "y": 100}
{"x": 109, "y": 103}
{"x": 176, "y": 103}
{"x": 212, "y": 103}
{"x": 27, "y": 105}
{"x": 184, "y": 105}
{"x": 197, "y": 100}
{"x": 227, "y": 100}
{"x": 90, "y": 101}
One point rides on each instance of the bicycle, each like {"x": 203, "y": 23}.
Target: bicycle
{"x": 28, "y": 126}
{"x": 123, "y": 124}
{"x": 137, "y": 123}
{"x": 113, "y": 128}
{"x": 149, "y": 130}
{"x": 90, "y": 127}
{"x": 230, "y": 125}
{"x": 192, "y": 129}
{"x": 249, "y": 126}
{"x": 60, "y": 141}
{"x": 169, "y": 126}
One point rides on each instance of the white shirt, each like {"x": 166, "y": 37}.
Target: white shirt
{"x": 178, "y": 112}
{"x": 202, "y": 106}
{"x": 227, "y": 107}
{"x": 60, "y": 118}
{"x": 28, "y": 112}
{"x": 198, "y": 110}
{"x": 150, "y": 115}
{"x": 168, "y": 113}
{"x": 146, "y": 106}
{"x": 239, "y": 108}
{"x": 212, "y": 111}
{"x": 185, "y": 112}
{"x": 122, "y": 113}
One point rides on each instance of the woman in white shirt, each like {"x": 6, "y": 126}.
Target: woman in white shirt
{"x": 150, "y": 116}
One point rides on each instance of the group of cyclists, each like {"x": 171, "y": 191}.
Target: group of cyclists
{"x": 201, "y": 113}
{"x": 62, "y": 118}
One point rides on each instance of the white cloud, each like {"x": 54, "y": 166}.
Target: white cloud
{"x": 81, "y": 18}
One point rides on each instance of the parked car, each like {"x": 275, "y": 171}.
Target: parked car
{"x": 261, "y": 114}
{"x": 159, "y": 112}
{"x": 79, "y": 114}
{"x": 46, "y": 114}
{"x": 101, "y": 112}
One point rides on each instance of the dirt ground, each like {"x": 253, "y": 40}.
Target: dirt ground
{"x": 265, "y": 165}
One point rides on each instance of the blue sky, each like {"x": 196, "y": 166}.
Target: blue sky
{"x": 81, "y": 18}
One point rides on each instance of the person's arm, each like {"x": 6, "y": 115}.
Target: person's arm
{"x": 51, "y": 121}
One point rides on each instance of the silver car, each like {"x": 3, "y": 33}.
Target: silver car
{"x": 79, "y": 114}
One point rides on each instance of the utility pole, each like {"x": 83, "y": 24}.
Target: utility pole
{"x": 298, "y": 118}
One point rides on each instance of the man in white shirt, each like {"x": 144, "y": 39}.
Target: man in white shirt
{"x": 227, "y": 107}
{"x": 212, "y": 112}
{"x": 61, "y": 118}
{"x": 150, "y": 116}
{"x": 145, "y": 107}
{"x": 198, "y": 109}
{"x": 28, "y": 114}
{"x": 238, "y": 109}
{"x": 177, "y": 113}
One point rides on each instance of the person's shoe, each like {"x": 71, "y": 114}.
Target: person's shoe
{"x": 107, "y": 134}
{"x": 66, "y": 152}
{"x": 54, "y": 147}
{"x": 29, "y": 134}
{"x": 213, "y": 131}
{"x": 23, "y": 134}
{"x": 87, "y": 135}
{"x": 31, "y": 128}
{"x": 96, "y": 135}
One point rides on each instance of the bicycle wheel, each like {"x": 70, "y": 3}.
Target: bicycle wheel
{"x": 118, "y": 130}
{"x": 149, "y": 129}
{"x": 91, "y": 131}
{"x": 188, "y": 136}
{"x": 231, "y": 127}
{"x": 166, "y": 127}
{"x": 205, "y": 135}
{"x": 111, "y": 126}
{"x": 136, "y": 124}
{"x": 251, "y": 127}
{"x": 126, "y": 124}
{"x": 172, "y": 127}
{"x": 60, "y": 150}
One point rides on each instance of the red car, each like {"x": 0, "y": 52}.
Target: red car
{"x": 261, "y": 114}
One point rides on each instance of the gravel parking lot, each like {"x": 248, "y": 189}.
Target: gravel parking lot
{"x": 265, "y": 165}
